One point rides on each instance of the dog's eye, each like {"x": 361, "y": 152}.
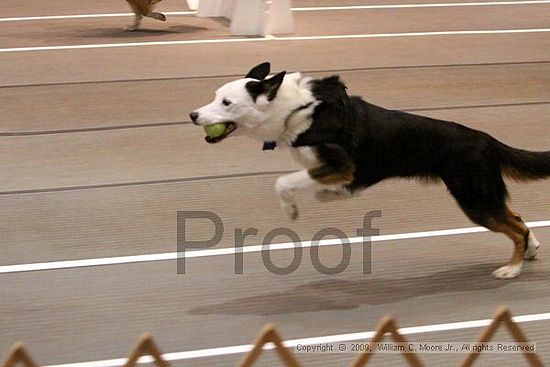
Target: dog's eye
{"x": 226, "y": 102}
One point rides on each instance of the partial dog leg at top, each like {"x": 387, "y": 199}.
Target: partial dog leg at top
{"x": 137, "y": 20}
{"x": 331, "y": 174}
{"x": 151, "y": 14}
{"x": 137, "y": 16}
{"x": 143, "y": 8}
{"x": 157, "y": 16}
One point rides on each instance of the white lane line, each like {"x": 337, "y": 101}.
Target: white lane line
{"x": 427, "y": 5}
{"x": 271, "y": 38}
{"x": 240, "y": 349}
{"x": 69, "y": 264}
{"x": 86, "y": 16}
{"x": 296, "y": 9}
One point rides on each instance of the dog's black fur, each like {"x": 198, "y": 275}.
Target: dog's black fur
{"x": 379, "y": 143}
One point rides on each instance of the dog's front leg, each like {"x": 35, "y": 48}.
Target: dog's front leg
{"x": 287, "y": 186}
{"x": 335, "y": 169}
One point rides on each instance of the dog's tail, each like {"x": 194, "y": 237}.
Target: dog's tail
{"x": 523, "y": 165}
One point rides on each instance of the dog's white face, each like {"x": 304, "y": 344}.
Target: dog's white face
{"x": 255, "y": 105}
{"x": 233, "y": 106}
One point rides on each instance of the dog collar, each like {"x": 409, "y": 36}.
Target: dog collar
{"x": 271, "y": 145}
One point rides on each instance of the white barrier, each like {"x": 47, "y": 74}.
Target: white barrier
{"x": 193, "y": 4}
{"x": 249, "y": 17}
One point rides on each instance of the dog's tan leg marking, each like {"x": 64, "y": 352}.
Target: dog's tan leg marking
{"x": 533, "y": 244}
{"x": 327, "y": 175}
{"x": 513, "y": 227}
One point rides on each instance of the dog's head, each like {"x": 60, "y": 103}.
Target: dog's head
{"x": 242, "y": 105}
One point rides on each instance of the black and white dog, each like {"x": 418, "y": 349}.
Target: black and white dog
{"x": 346, "y": 144}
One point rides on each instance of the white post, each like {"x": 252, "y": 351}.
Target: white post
{"x": 215, "y": 8}
{"x": 193, "y": 4}
{"x": 279, "y": 20}
{"x": 248, "y": 17}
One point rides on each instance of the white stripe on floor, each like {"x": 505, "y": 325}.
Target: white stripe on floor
{"x": 297, "y": 9}
{"x": 69, "y": 264}
{"x": 427, "y": 5}
{"x": 241, "y": 349}
{"x": 87, "y": 16}
{"x": 271, "y": 38}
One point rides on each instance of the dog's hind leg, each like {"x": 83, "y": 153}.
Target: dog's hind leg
{"x": 533, "y": 244}
{"x": 509, "y": 223}
{"x": 513, "y": 227}
{"x": 477, "y": 185}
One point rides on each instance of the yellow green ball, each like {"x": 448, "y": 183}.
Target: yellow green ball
{"x": 214, "y": 130}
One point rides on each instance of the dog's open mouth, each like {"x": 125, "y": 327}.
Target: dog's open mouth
{"x": 230, "y": 126}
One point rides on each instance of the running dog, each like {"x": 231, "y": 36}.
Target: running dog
{"x": 346, "y": 145}
{"x": 144, "y": 8}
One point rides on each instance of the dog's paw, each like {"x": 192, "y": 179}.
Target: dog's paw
{"x": 507, "y": 271}
{"x": 533, "y": 247}
{"x": 159, "y": 16}
{"x": 131, "y": 28}
{"x": 291, "y": 210}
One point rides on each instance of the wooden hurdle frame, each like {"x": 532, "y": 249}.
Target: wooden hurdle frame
{"x": 146, "y": 346}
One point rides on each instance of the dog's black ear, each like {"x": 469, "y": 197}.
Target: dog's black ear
{"x": 259, "y": 72}
{"x": 271, "y": 85}
{"x": 268, "y": 87}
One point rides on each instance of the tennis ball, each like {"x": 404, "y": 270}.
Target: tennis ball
{"x": 214, "y": 130}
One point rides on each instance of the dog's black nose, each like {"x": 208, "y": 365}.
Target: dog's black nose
{"x": 194, "y": 116}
